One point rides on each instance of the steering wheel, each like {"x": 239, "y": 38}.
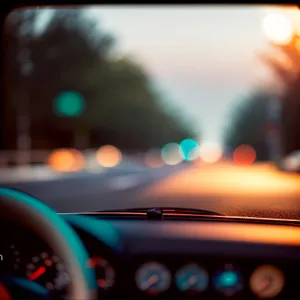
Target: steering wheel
{"x": 27, "y": 211}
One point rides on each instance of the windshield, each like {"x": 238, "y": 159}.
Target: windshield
{"x": 116, "y": 107}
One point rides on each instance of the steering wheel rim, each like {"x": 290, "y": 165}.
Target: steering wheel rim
{"x": 30, "y": 212}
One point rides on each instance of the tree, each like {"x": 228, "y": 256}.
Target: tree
{"x": 122, "y": 108}
{"x": 135, "y": 112}
{"x": 287, "y": 70}
{"x": 248, "y": 124}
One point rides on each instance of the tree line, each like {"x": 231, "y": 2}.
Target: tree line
{"x": 72, "y": 53}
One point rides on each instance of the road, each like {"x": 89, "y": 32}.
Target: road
{"x": 85, "y": 191}
{"x": 258, "y": 190}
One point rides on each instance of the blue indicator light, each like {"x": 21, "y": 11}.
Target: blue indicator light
{"x": 228, "y": 279}
{"x": 228, "y": 282}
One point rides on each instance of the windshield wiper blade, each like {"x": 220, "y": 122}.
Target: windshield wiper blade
{"x": 158, "y": 212}
{"x": 177, "y": 210}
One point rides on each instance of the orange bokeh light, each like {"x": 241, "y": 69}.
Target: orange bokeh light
{"x": 64, "y": 160}
{"x": 108, "y": 156}
{"x": 244, "y": 155}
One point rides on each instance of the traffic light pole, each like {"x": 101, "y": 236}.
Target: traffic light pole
{"x": 23, "y": 113}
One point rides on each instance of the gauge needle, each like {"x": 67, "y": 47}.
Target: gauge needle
{"x": 40, "y": 271}
{"x": 265, "y": 284}
{"x": 192, "y": 281}
{"x": 151, "y": 280}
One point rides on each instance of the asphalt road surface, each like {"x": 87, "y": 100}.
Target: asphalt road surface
{"x": 87, "y": 191}
{"x": 258, "y": 191}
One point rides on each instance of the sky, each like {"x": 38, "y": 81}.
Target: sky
{"x": 203, "y": 58}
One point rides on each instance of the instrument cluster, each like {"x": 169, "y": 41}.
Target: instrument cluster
{"x": 160, "y": 278}
{"x": 266, "y": 281}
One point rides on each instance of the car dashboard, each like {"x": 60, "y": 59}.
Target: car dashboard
{"x": 207, "y": 258}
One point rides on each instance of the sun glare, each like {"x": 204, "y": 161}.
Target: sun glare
{"x": 278, "y": 28}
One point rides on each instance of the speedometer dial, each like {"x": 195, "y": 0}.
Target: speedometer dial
{"x": 49, "y": 271}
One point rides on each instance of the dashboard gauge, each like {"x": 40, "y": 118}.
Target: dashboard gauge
{"x": 266, "y": 281}
{"x": 153, "y": 278}
{"x": 48, "y": 271}
{"x": 228, "y": 281}
{"x": 105, "y": 273}
{"x": 191, "y": 278}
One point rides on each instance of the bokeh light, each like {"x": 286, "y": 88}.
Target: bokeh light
{"x": 108, "y": 156}
{"x": 69, "y": 104}
{"x": 188, "y": 149}
{"x": 171, "y": 154}
{"x": 244, "y": 155}
{"x": 278, "y": 28}
{"x": 210, "y": 152}
{"x": 292, "y": 162}
{"x": 65, "y": 160}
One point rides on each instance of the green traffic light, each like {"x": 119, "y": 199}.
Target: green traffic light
{"x": 69, "y": 104}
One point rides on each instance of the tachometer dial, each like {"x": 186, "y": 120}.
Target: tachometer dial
{"x": 49, "y": 271}
{"x": 153, "y": 278}
{"x": 105, "y": 273}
